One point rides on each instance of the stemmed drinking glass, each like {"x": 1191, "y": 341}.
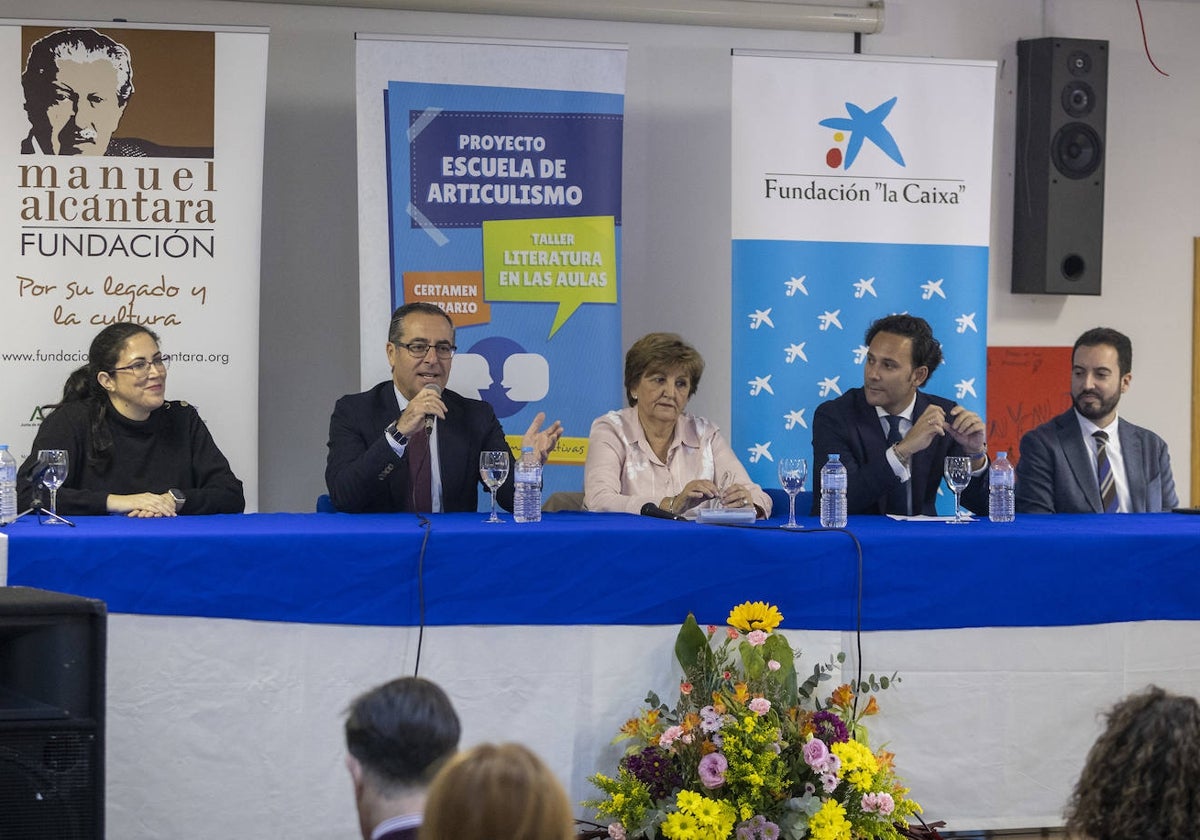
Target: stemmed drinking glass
{"x": 493, "y": 469}
{"x": 52, "y": 465}
{"x": 958, "y": 476}
{"x": 792, "y": 472}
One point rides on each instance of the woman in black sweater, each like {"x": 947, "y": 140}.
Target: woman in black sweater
{"x": 131, "y": 451}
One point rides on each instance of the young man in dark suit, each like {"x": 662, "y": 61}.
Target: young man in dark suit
{"x": 1087, "y": 460}
{"x": 894, "y": 438}
{"x": 409, "y": 444}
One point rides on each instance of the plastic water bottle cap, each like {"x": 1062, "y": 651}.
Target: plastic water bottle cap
{"x": 1001, "y": 455}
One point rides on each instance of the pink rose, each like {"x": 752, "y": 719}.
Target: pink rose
{"x": 616, "y": 831}
{"x": 711, "y": 770}
{"x": 685, "y": 688}
{"x": 756, "y": 637}
{"x": 816, "y": 753}
{"x": 773, "y": 664}
{"x": 760, "y": 706}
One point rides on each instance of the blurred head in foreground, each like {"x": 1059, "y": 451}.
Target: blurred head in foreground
{"x": 1142, "y": 776}
{"x": 497, "y": 791}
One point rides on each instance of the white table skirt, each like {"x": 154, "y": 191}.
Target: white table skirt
{"x": 227, "y": 728}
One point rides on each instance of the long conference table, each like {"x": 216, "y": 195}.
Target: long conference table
{"x": 235, "y": 643}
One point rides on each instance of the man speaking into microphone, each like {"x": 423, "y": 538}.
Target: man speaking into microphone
{"x": 410, "y": 444}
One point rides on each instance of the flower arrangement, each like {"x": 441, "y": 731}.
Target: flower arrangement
{"x": 749, "y": 751}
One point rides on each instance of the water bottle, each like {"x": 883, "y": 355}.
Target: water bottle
{"x": 8, "y": 486}
{"x": 1001, "y": 480}
{"x": 833, "y": 493}
{"x": 527, "y": 498}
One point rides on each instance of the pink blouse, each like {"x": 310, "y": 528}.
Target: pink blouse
{"x": 622, "y": 472}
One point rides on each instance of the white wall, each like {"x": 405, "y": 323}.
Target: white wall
{"x": 676, "y": 191}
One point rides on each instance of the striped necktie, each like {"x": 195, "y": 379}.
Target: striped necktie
{"x": 1104, "y": 474}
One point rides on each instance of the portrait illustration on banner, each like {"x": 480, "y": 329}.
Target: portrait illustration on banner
{"x": 82, "y": 96}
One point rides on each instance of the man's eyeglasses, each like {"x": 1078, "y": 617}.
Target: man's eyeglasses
{"x": 418, "y": 349}
{"x": 142, "y": 367}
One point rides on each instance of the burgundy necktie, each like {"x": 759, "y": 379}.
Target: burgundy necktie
{"x": 420, "y": 477}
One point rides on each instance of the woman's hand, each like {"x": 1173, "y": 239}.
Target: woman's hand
{"x": 737, "y": 496}
{"x": 693, "y": 493}
{"x": 142, "y": 505}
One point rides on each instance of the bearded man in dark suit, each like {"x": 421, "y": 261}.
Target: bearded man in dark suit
{"x": 408, "y": 444}
{"x": 894, "y": 438}
{"x": 397, "y": 737}
{"x": 1060, "y": 466}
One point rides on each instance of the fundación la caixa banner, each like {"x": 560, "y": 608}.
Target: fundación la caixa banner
{"x": 490, "y": 184}
{"x": 861, "y": 188}
{"x": 131, "y": 189}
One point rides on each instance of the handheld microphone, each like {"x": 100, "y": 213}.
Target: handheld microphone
{"x": 651, "y": 509}
{"x": 437, "y": 389}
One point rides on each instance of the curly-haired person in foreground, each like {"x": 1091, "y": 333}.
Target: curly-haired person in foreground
{"x": 1142, "y": 776}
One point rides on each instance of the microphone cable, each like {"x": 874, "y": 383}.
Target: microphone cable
{"x": 428, "y": 526}
{"x": 858, "y": 600}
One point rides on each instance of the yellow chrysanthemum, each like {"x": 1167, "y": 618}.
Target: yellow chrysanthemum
{"x": 859, "y": 764}
{"x": 706, "y": 811}
{"x": 755, "y": 615}
{"x": 830, "y": 822}
{"x": 680, "y": 826}
{"x": 699, "y": 818}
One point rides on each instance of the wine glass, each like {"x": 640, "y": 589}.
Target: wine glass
{"x": 792, "y": 472}
{"x": 493, "y": 468}
{"x": 958, "y": 476}
{"x": 52, "y": 465}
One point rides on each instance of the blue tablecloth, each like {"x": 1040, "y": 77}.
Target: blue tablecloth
{"x": 580, "y": 568}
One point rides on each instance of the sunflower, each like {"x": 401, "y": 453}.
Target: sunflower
{"x": 755, "y": 615}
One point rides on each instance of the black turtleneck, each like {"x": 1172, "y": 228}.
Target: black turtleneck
{"x": 170, "y": 448}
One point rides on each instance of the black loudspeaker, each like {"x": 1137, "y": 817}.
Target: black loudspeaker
{"x": 1058, "y": 196}
{"x": 52, "y": 661}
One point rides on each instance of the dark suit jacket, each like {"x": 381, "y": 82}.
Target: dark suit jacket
{"x": 849, "y": 426}
{"x": 1055, "y": 472}
{"x": 364, "y": 474}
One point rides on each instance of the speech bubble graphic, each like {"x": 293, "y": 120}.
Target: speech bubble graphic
{"x": 568, "y": 261}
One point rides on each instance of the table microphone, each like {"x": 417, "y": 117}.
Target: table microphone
{"x": 651, "y": 509}
{"x": 437, "y": 389}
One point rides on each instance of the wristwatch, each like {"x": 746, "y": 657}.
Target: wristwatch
{"x": 396, "y": 435}
{"x": 179, "y": 498}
